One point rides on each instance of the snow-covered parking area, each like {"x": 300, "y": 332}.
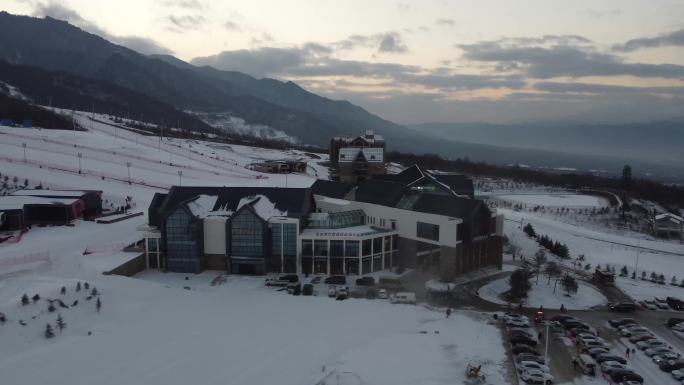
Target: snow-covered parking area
{"x": 153, "y": 330}
{"x": 556, "y": 200}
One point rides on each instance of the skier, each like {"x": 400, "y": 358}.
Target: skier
{"x": 627, "y": 353}
{"x": 448, "y": 312}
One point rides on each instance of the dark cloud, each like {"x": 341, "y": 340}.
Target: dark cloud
{"x": 259, "y": 62}
{"x": 392, "y": 43}
{"x": 445, "y": 22}
{"x": 591, "y": 88}
{"x": 142, "y": 45}
{"x": 185, "y": 22}
{"x": 672, "y": 39}
{"x": 388, "y": 42}
{"x": 462, "y": 82}
{"x": 560, "y": 60}
{"x": 232, "y": 26}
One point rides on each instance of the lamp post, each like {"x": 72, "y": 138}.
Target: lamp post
{"x": 546, "y": 342}
{"x": 23, "y": 145}
{"x": 180, "y": 177}
{"x": 80, "y": 155}
{"x": 128, "y": 166}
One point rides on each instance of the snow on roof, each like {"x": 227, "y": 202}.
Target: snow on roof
{"x": 346, "y": 232}
{"x": 669, "y": 216}
{"x": 12, "y": 202}
{"x": 202, "y": 205}
{"x": 263, "y": 206}
{"x": 51, "y": 193}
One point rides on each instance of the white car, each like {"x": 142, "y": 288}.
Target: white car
{"x": 382, "y": 294}
{"x": 516, "y": 317}
{"x": 535, "y": 376}
{"x": 678, "y": 374}
{"x": 518, "y": 323}
{"x": 528, "y": 365}
{"x": 628, "y": 332}
{"x": 661, "y": 303}
{"x": 650, "y": 344}
{"x": 608, "y": 366}
{"x": 650, "y": 305}
{"x": 678, "y": 327}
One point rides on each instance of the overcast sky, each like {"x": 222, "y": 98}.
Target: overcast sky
{"x": 422, "y": 61}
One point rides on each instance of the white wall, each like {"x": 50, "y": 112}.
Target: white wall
{"x": 215, "y": 235}
{"x": 406, "y": 220}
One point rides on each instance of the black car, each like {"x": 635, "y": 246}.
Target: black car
{"x": 292, "y": 278}
{"x": 515, "y": 333}
{"x": 517, "y": 349}
{"x": 674, "y": 321}
{"x": 601, "y": 358}
{"x": 530, "y": 357}
{"x": 624, "y": 307}
{"x": 619, "y": 376}
{"x": 522, "y": 340}
{"x": 336, "y": 280}
{"x": 675, "y": 303}
{"x": 365, "y": 281}
{"x": 307, "y": 289}
{"x": 562, "y": 318}
{"x": 594, "y": 352}
{"x": 617, "y": 322}
{"x": 668, "y": 366}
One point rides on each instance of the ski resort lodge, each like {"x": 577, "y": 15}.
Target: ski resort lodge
{"x": 414, "y": 219}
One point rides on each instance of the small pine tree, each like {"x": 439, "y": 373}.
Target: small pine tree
{"x": 25, "y": 300}
{"x": 674, "y": 280}
{"x": 25, "y": 182}
{"x": 35, "y": 298}
{"x": 51, "y": 308}
{"x": 98, "y": 304}
{"x": 643, "y": 275}
{"x": 623, "y": 271}
{"x": 60, "y": 322}
{"x": 569, "y": 284}
{"x": 634, "y": 275}
{"x": 63, "y": 290}
{"x": 94, "y": 291}
{"x": 86, "y": 286}
{"x": 3, "y": 318}
{"x": 49, "y": 333}
{"x": 529, "y": 230}
{"x": 78, "y": 286}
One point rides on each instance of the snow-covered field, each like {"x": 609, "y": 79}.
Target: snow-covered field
{"x": 542, "y": 294}
{"x": 557, "y": 200}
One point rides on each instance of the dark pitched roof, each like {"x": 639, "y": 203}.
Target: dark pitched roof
{"x": 154, "y": 211}
{"x": 330, "y": 188}
{"x": 463, "y": 208}
{"x": 460, "y": 184}
{"x": 379, "y": 192}
{"x": 296, "y": 201}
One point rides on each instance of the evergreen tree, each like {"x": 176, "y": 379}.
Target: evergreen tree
{"x": 25, "y": 182}
{"x": 539, "y": 261}
{"x": 3, "y": 318}
{"x": 63, "y": 290}
{"x": 60, "y": 322}
{"x": 94, "y": 291}
{"x": 674, "y": 281}
{"x": 626, "y": 179}
{"x": 86, "y": 286}
{"x": 49, "y": 333}
{"x": 520, "y": 284}
{"x": 25, "y": 300}
{"x": 570, "y": 284}
{"x": 623, "y": 271}
{"x": 35, "y": 298}
{"x": 529, "y": 230}
{"x": 643, "y": 275}
{"x": 98, "y": 305}
{"x": 51, "y": 308}
{"x": 78, "y": 286}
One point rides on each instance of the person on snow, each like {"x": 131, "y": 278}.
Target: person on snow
{"x": 448, "y": 312}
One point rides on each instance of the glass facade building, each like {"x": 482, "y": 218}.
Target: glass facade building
{"x": 183, "y": 242}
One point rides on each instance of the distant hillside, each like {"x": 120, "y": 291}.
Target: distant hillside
{"x": 66, "y": 91}
{"x": 18, "y": 110}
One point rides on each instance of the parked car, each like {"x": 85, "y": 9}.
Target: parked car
{"x": 517, "y": 323}
{"x": 316, "y": 280}
{"x": 650, "y": 305}
{"x": 336, "y": 280}
{"x": 624, "y": 307}
{"x": 656, "y": 351}
{"x": 520, "y": 331}
{"x": 282, "y": 280}
{"x": 403, "y": 297}
{"x": 526, "y": 365}
{"x": 661, "y": 303}
{"x": 562, "y": 318}
{"x": 332, "y": 291}
{"x": 675, "y": 303}
{"x": 365, "y": 281}
{"x": 342, "y": 293}
{"x": 517, "y": 340}
{"x": 514, "y": 316}
{"x": 534, "y": 376}
{"x": 653, "y": 343}
{"x": 678, "y": 328}
{"x": 391, "y": 283}
{"x": 677, "y": 374}
{"x": 530, "y": 357}
{"x": 593, "y": 352}
{"x": 610, "y": 366}
{"x": 382, "y": 294}
{"x": 586, "y": 364}
{"x": 294, "y": 288}
{"x": 668, "y": 366}
{"x": 617, "y": 322}
{"x": 585, "y": 345}
{"x": 630, "y": 331}
{"x": 664, "y": 357}
{"x": 674, "y": 321}
{"x": 610, "y": 357}
{"x": 307, "y": 289}
{"x": 625, "y": 375}
{"x": 517, "y": 349}
{"x": 636, "y": 338}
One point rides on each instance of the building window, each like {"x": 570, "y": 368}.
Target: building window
{"x": 394, "y": 224}
{"x": 388, "y": 243}
{"x": 182, "y": 242}
{"x": 351, "y": 248}
{"x": 427, "y": 231}
{"x": 377, "y": 245}
{"x": 290, "y": 239}
{"x": 321, "y": 248}
{"x": 337, "y": 248}
{"x": 247, "y": 235}
{"x": 307, "y": 248}
{"x": 366, "y": 247}
{"x": 395, "y": 242}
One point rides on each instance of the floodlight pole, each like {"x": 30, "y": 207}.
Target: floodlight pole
{"x": 23, "y": 145}
{"x": 180, "y": 177}
{"x": 546, "y": 343}
{"x": 128, "y": 165}
{"x": 80, "y": 155}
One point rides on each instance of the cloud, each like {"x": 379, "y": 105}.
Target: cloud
{"x": 592, "y": 88}
{"x": 672, "y": 39}
{"x": 392, "y": 43}
{"x": 265, "y": 61}
{"x": 185, "y": 22}
{"x": 186, "y": 4}
{"x": 140, "y": 44}
{"x": 564, "y": 60}
{"x": 445, "y": 22}
{"x": 388, "y": 42}
{"x": 232, "y": 26}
